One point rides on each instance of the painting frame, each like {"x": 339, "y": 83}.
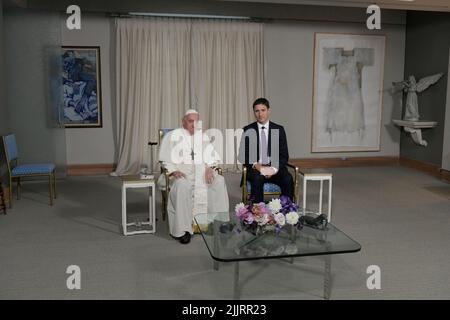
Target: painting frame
{"x": 347, "y": 110}
{"x": 82, "y": 95}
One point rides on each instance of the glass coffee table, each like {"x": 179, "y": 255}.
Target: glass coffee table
{"x": 228, "y": 242}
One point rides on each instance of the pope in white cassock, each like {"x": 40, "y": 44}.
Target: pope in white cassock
{"x": 195, "y": 187}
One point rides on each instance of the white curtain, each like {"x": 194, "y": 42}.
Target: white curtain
{"x": 165, "y": 66}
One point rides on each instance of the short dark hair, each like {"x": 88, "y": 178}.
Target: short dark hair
{"x": 263, "y": 101}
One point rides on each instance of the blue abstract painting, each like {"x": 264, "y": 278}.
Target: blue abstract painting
{"x": 81, "y": 87}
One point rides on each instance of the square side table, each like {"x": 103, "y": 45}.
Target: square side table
{"x": 136, "y": 182}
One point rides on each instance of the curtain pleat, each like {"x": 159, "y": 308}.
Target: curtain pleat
{"x": 165, "y": 66}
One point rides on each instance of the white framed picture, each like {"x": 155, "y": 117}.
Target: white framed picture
{"x": 347, "y": 97}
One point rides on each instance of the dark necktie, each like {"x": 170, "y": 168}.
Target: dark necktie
{"x": 264, "y": 158}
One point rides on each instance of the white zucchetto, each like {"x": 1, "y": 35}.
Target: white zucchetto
{"x": 190, "y": 111}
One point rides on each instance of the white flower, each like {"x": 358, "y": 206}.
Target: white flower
{"x": 274, "y": 205}
{"x": 239, "y": 206}
{"x": 292, "y": 218}
{"x": 280, "y": 219}
{"x": 262, "y": 219}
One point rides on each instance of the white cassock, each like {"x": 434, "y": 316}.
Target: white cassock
{"x": 189, "y": 196}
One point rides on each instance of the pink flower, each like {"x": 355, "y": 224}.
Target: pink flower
{"x": 262, "y": 219}
{"x": 271, "y": 219}
{"x": 259, "y": 209}
{"x": 248, "y": 218}
{"x": 280, "y": 219}
{"x": 242, "y": 213}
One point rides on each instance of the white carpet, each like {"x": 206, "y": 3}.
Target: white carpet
{"x": 401, "y": 218}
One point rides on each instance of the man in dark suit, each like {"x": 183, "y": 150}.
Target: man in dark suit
{"x": 264, "y": 151}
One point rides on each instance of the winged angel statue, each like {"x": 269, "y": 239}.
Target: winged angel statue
{"x": 411, "y": 86}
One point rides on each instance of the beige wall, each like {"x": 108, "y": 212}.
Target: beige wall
{"x": 93, "y": 145}
{"x": 446, "y": 147}
{"x": 3, "y": 118}
{"x": 289, "y": 73}
{"x": 289, "y": 63}
{"x": 3, "y": 115}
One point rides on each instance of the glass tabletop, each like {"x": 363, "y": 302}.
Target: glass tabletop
{"x": 227, "y": 240}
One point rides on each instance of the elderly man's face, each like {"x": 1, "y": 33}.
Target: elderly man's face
{"x": 190, "y": 121}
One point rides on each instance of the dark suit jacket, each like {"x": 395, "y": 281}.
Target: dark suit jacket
{"x": 249, "y": 138}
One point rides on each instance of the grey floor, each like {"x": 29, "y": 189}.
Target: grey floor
{"x": 400, "y": 216}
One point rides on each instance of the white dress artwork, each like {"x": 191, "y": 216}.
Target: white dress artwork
{"x": 348, "y": 89}
{"x": 344, "y": 103}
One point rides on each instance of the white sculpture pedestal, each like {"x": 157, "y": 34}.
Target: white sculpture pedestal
{"x": 415, "y": 129}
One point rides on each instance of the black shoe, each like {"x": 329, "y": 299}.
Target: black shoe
{"x": 186, "y": 238}
{"x": 320, "y": 222}
{"x": 177, "y": 238}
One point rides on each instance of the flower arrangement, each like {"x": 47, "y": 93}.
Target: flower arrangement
{"x": 272, "y": 216}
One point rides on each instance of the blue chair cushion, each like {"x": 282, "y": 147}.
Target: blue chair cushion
{"x": 166, "y": 130}
{"x": 29, "y": 169}
{"x": 11, "y": 146}
{"x": 268, "y": 187}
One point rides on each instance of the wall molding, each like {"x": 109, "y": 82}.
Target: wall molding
{"x": 426, "y": 167}
{"x": 302, "y": 163}
{"x": 90, "y": 169}
{"x": 313, "y": 163}
{"x": 316, "y": 163}
{"x": 445, "y": 174}
{"x": 430, "y": 168}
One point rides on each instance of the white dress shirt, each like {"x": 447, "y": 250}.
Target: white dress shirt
{"x": 266, "y": 132}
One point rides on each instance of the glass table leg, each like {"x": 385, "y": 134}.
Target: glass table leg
{"x": 236, "y": 294}
{"x": 216, "y": 243}
{"x": 327, "y": 278}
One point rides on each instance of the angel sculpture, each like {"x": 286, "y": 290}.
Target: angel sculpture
{"x": 412, "y": 87}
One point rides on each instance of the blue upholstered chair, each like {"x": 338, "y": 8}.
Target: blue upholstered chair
{"x": 17, "y": 171}
{"x": 270, "y": 189}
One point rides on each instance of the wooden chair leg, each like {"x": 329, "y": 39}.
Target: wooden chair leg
{"x": 18, "y": 189}
{"x": 2, "y": 200}
{"x": 244, "y": 195}
{"x": 10, "y": 192}
{"x": 50, "y": 189}
{"x": 54, "y": 184}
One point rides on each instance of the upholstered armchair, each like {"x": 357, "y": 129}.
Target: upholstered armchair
{"x": 164, "y": 185}
{"x": 270, "y": 189}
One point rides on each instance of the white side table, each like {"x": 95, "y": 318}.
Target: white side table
{"x": 318, "y": 177}
{"x": 136, "y": 182}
